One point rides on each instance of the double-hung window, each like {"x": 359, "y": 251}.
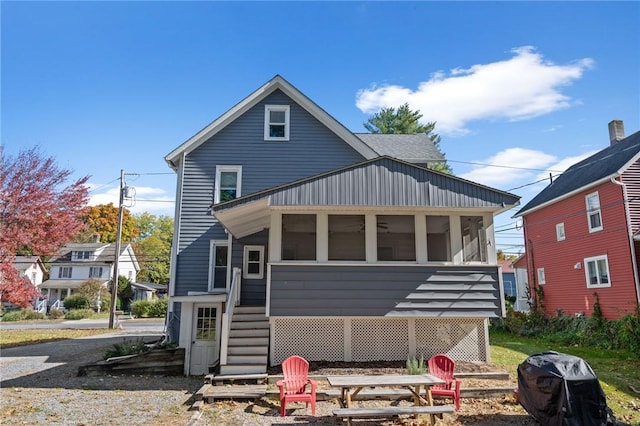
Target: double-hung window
{"x": 560, "y": 235}
{"x": 95, "y": 272}
{"x": 219, "y": 261}
{"x": 228, "y": 181}
{"x": 276, "y": 122}
{"x": 253, "y": 267}
{"x": 64, "y": 272}
{"x": 597, "y": 271}
{"x": 541, "y": 276}
{"x": 594, "y": 215}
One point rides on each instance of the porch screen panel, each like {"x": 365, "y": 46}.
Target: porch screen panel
{"x": 473, "y": 239}
{"x": 298, "y": 237}
{"x": 396, "y": 238}
{"x": 346, "y": 237}
{"x": 438, "y": 242}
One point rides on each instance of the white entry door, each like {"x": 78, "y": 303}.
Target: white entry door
{"x": 204, "y": 344}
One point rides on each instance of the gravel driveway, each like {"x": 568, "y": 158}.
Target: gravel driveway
{"x": 40, "y": 386}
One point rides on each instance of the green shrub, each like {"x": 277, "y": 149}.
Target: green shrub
{"x": 31, "y": 314}
{"x": 416, "y": 366}
{"x": 77, "y": 314}
{"x": 158, "y": 308}
{"x": 22, "y": 314}
{"x": 14, "y": 315}
{"x": 141, "y": 308}
{"x": 128, "y": 347}
{"x": 55, "y": 313}
{"x": 77, "y": 301}
{"x": 629, "y": 331}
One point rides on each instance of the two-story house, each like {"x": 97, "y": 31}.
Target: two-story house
{"x": 294, "y": 235}
{"x": 77, "y": 263}
{"x": 31, "y": 267}
{"x": 582, "y": 232}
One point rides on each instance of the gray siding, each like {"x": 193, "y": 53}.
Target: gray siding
{"x": 312, "y": 149}
{"x": 425, "y": 291}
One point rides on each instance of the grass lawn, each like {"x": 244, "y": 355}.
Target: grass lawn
{"x": 618, "y": 371}
{"x": 10, "y": 338}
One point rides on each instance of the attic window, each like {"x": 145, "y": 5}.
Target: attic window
{"x": 276, "y": 122}
{"x": 81, "y": 255}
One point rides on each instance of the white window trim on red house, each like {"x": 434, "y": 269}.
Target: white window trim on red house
{"x": 593, "y": 212}
{"x": 594, "y": 260}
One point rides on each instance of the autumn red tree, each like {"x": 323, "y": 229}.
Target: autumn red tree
{"x": 38, "y": 215}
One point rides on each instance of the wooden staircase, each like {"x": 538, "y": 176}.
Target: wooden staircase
{"x": 248, "y": 347}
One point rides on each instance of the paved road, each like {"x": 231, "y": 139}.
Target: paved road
{"x": 152, "y": 326}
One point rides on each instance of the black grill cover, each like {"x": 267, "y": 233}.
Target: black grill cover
{"x": 562, "y": 390}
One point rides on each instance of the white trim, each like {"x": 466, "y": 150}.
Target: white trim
{"x": 245, "y": 263}
{"x": 225, "y": 168}
{"x": 268, "y": 123}
{"x": 371, "y": 238}
{"x": 560, "y": 232}
{"x": 213, "y": 245}
{"x": 595, "y": 259}
{"x": 540, "y": 274}
{"x": 322, "y": 237}
{"x": 597, "y": 211}
{"x": 275, "y": 238}
{"x": 422, "y": 255}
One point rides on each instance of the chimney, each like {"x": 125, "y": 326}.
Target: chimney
{"x": 616, "y": 131}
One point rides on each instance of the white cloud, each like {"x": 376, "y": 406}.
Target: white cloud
{"x": 498, "y": 171}
{"x": 514, "y": 167}
{"x": 144, "y": 199}
{"x": 519, "y": 88}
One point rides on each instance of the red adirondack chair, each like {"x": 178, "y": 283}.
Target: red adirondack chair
{"x": 293, "y": 388}
{"x": 443, "y": 367}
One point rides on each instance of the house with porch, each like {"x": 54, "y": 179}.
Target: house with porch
{"x": 582, "y": 233}
{"x": 294, "y": 235}
{"x": 77, "y": 263}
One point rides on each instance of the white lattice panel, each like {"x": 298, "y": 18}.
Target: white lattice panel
{"x": 379, "y": 339}
{"x": 315, "y": 339}
{"x": 460, "y": 338}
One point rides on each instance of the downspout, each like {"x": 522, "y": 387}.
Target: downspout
{"x": 630, "y": 232}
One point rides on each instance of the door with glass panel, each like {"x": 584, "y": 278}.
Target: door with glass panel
{"x": 204, "y": 345}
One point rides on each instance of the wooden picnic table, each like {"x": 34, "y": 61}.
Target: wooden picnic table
{"x": 351, "y": 385}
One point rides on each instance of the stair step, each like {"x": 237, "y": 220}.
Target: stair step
{"x": 248, "y": 341}
{"x": 246, "y": 359}
{"x": 249, "y": 317}
{"x": 250, "y": 310}
{"x": 260, "y": 378}
{"x": 244, "y": 325}
{"x": 241, "y": 332}
{"x": 248, "y": 350}
{"x": 243, "y": 369}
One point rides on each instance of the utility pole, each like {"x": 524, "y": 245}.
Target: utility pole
{"x": 114, "y": 279}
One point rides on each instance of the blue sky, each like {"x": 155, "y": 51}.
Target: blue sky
{"x": 110, "y": 86}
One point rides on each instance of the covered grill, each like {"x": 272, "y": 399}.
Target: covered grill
{"x": 562, "y": 390}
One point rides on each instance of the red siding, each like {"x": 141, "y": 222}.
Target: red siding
{"x": 566, "y": 286}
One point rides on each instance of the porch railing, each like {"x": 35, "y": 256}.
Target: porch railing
{"x": 58, "y": 304}
{"x": 232, "y": 301}
{"x": 41, "y": 306}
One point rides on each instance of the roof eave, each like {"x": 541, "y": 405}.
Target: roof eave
{"x": 567, "y": 195}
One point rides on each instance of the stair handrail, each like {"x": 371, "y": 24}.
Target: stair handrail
{"x": 41, "y": 306}
{"x": 233, "y": 300}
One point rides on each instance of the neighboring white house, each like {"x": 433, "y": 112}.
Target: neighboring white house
{"x": 77, "y": 263}
{"x": 31, "y": 267}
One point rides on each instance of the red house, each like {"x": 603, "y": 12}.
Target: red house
{"x": 582, "y": 233}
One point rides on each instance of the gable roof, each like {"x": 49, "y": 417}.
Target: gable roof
{"x": 277, "y": 82}
{"x": 602, "y": 166}
{"x": 381, "y": 182}
{"x": 22, "y": 263}
{"x": 106, "y": 253}
{"x": 415, "y": 148}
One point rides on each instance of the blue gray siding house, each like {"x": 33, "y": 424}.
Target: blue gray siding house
{"x": 348, "y": 246}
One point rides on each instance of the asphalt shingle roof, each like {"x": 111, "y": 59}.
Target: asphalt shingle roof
{"x": 606, "y": 163}
{"x": 415, "y": 148}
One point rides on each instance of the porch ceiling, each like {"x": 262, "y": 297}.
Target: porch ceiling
{"x": 64, "y": 283}
{"x": 246, "y": 219}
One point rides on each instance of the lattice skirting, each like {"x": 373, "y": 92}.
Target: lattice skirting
{"x": 378, "y": 339}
